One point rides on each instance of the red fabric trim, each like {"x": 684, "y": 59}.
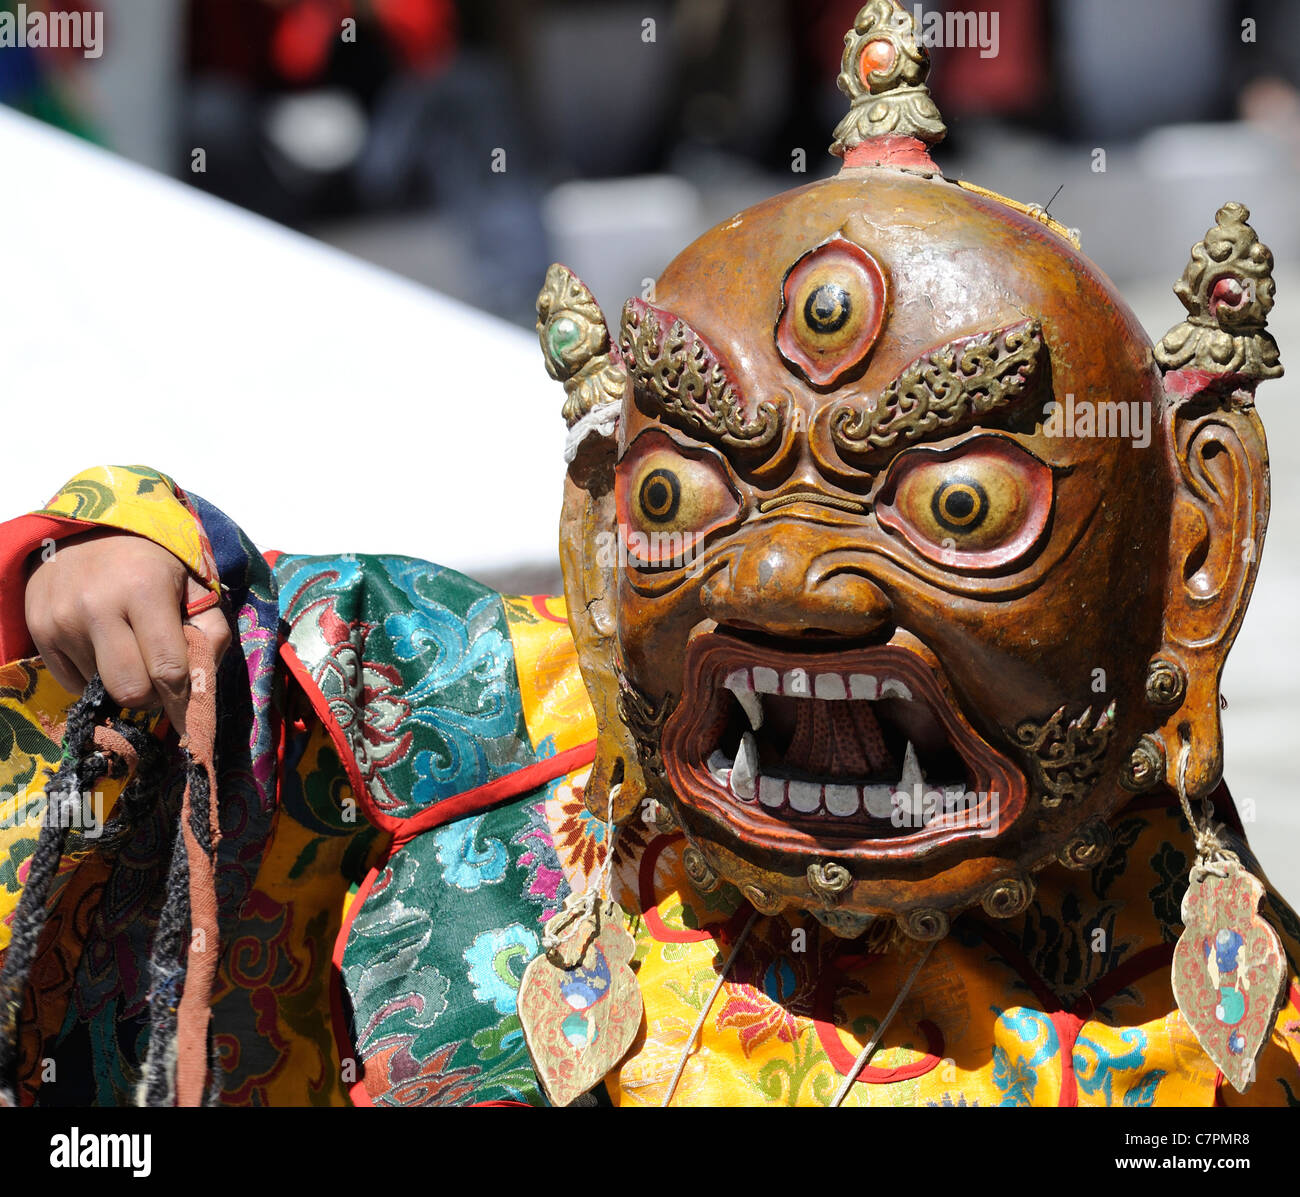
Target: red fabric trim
{"x": 19, "y": 538}
{"x": 494, "y": 793}
{"x": 540, "y": 602}
{"x": 271, "y": 556}
{"x": 843, "y": 1059}
{"x": 339, "y": 740}
{"x": 1148, "y": 961}
{"x": 403, "y": 831}
{"x": 1002, "y": 944}
{"x": 1067, "y": 1032}
{"x": 357, "y": 1091}
{"x": 840, "y": 1057}
{"x": 206, "y": 603}
{"x": 660, "y": 931}
{"x": 471, "y": 802}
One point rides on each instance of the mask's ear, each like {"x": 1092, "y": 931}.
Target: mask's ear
{"x": 1213, "y": 362}
{"x": 580, "y": 352}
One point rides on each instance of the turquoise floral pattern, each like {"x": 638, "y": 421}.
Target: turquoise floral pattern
{"x": 1015, "y": 1072}
{"x": 496, "y": 962}
{"x": 466, "y": 862}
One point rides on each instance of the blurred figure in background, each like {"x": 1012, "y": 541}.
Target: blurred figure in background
{"x": 442, "y": 138}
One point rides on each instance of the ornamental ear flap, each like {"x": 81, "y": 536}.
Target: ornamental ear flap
{"x": 580, "y": 352}
{"x": 1212, "y": 363}
{"x": 589, "y": 556}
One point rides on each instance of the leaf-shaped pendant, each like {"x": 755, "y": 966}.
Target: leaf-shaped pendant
{"x": 579, "y": 1002}
{"x": 1229, "y": 970}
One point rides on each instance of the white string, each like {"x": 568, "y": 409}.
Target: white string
{"x": 597, "y": 887}
{"x": 1210, "y": 851}
{"x": 601, "y": 421}
{"x": 699, "y": 1022}
{"x": 865, "y": 1054}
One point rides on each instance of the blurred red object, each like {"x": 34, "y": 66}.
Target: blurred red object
{"x": 421, "y": 33}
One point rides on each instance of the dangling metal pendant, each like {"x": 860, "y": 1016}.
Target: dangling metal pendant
{"x": 1229, "y": 969}
{"x": 579, "y": 1002}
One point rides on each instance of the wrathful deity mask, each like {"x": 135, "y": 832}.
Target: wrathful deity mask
{"x": 897, "y": 557}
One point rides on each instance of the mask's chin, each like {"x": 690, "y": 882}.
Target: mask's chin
{"x": 791, "y": 764}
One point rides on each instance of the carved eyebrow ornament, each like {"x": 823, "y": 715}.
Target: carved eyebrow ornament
{"x": 965, "y": 379}
{"x": 674, "y": 368}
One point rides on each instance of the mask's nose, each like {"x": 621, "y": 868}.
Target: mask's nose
{"x": 789, "y": 579}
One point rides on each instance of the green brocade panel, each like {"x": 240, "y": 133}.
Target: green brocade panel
{"x": 416, "y": 666}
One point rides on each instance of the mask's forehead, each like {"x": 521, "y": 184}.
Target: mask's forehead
{"x": 955, "y": 263}
{"x": 960, "y": 274}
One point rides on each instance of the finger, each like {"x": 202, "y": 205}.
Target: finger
{"x": 121, "y": 667}
{"x": 216, "y": 629}
{"x": 166, "y": 658}
{"x": 78, "y": 652}
{"x": 62, "y": 670}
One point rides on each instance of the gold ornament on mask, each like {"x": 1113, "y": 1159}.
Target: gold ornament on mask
{"x": 967, "y": 378}
{"x": 576, "y": 345}
{"x": 1227, "y": 290}
{"x": 883, "y": 74}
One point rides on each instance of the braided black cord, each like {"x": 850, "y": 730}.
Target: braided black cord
{"x": 167, "y": 973}
{"x": 80, "y": 768}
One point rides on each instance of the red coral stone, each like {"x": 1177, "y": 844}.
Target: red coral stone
{"x": 876, "y": 56}
{"x": 1229, "y": 292}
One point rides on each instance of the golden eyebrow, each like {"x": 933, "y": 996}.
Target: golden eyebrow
{"x": 675, "y": 370}
{"x": 966, "y": 378}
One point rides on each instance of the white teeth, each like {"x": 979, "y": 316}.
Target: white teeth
{"x": 738, "y": 681}
{"x": 806, "y": 797}
{"x": 842, "y": 800}
{"x": 879, "y": 801}
{"x": 771, "y": 791}
{"x": 745, "y": 770}
{"x": 796, "y": 683}
{"x": 752, "y": 704}
{"x": 829, "y": 686}
{"x": 893, "y": 688}
{"x": 863, "y": 685}
{"x": 912, "y": 775}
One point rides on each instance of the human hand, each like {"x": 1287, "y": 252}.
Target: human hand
{"x": 113, "y": 603}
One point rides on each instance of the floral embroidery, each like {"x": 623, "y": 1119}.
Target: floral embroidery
{"x": 465, "y": 863}
{"x": 1166, "y": 895}
{"x": 496, "y": 962}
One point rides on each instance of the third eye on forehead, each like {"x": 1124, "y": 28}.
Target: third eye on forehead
{"x": 828, "y": 308}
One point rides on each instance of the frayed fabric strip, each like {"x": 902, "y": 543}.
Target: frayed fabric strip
{"x": 600, "y": 421}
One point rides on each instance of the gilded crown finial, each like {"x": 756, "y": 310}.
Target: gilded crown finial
{"x": 577, "y": 346}
{"x": 1227, "y": 290}
{"x": 883, "y": 74}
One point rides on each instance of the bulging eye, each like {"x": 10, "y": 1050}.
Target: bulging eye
{"x": 660, "y": 496}
{"x": 670, "y": 499}
{"x": 833, "y": 309}
{"x": 981, "y": 505}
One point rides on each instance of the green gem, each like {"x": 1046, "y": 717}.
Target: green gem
{"x": 563, "y": 336}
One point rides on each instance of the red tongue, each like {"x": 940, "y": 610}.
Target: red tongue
{"x": 838, "y": 739}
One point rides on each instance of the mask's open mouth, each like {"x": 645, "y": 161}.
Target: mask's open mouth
{"x": 857, "y": 753}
